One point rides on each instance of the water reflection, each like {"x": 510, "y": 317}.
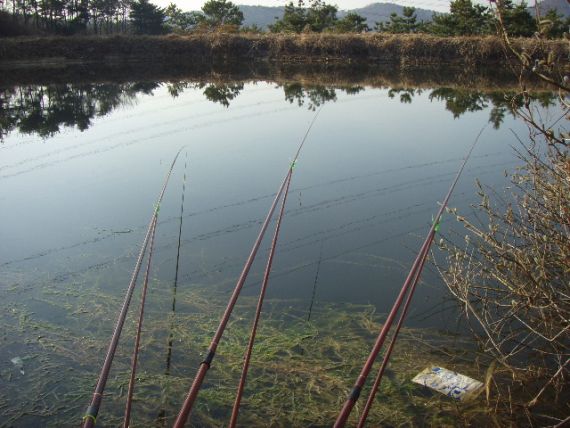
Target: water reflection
{"x": 222, "y": 94}
{"x": 358, "y": 208}
{"x": 461, "y": 101}
{"x": 406, "y": 94}
{"x": 314, "y": 96}
{"x": 45, "y": 110}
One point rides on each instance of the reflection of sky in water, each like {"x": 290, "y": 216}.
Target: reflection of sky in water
{"x": 366, "y": 185}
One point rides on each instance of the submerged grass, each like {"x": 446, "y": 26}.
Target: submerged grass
{"x": 300, "y": 374}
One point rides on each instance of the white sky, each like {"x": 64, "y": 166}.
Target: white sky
{"x": 439, "y": 5}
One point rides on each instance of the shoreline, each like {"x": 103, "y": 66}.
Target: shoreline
{"x": 312, "y": 48}
{"x": 485, "y": 79}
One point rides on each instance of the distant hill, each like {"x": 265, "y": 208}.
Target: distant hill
{"x": 261, "y": 15}
{"x": 376, "y": 12}
{"x": 380, "y": 12}
{"x": 561, "y": 6}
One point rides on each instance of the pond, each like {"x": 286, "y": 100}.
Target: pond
{"x": 81, "y": 166}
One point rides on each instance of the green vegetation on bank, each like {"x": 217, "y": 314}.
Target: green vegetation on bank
{"x": 65, "y": 17}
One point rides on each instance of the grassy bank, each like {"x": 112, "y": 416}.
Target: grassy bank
{"x": 408, "y": 49}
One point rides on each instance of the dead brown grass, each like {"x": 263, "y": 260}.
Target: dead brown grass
{"x": 413, "y": 49}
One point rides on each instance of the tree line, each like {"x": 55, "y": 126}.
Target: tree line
{"x": 464, "y": 18}
{"x": 142, "y": 17}
{"x": 116, "y": 16}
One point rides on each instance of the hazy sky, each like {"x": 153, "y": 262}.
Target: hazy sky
{"x": 439, "y": 5}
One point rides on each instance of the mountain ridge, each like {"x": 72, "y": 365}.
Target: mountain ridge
{"x": 263, "y": 16}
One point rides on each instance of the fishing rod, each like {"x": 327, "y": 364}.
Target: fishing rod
{"x": 386, "y": 358}
{"x": 358, "y": 385}
{"x": 90, "y": 416}
{"x": 135, "y": 357}
{"x": 206, "y": 363}
{"x": 247, "y": 355}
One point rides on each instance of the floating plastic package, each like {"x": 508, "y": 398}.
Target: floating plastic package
{"x": 452, "y": 384}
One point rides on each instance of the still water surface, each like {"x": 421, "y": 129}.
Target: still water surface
{"x": 82, "y": 165}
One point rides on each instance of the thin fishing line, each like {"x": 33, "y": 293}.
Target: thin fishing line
{"x": 236, "y": 204}
{"x": 316, "y": 280}
{"x": 175, "y": 285}
{"x": 152, "y": 137}
{"x": 319, "y": 206}
{"x": 102, "y": 265}
{"x": 285, "y": 248}
{"x": 162, "y": 413}
{"x": 235, "y": 228}
{"x": 129, "y": 132}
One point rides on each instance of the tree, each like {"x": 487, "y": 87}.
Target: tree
{"x": 464, "y": 19}
{"x": 178, "y": 21}
{"x": 221, "y": 12}
{"x": 294, "y": 19}
{"x": 77, "y": 16}
{"x": 122, "y": 12}
{"x": 517, "y": 20}
{"x": 321, "y": 16}
{"x": 318, "y": 17}
{"x": 147, "y": 18}
{"x": 351, "y": 23}
{"x": 553, "y": 25}
{"x": 407, "y": 23}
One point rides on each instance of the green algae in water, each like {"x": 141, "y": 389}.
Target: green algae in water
{"x": 300, "y": 372}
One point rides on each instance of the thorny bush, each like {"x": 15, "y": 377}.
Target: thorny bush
{"x": 512, "y": 273}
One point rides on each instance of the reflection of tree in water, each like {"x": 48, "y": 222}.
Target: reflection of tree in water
{"x": 221, "y": 93}
{"x": 353, "y": 90}
{"x": 177, "y": 88}
{"x": 315, "y": 95}
{"x": 44, "y": 110}
{"x": 406, "y": 94}
{"x": 146, "y": 88}
{"x": 461, "y": 101}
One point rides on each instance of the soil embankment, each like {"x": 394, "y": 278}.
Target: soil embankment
{"x": 406, "y": 49}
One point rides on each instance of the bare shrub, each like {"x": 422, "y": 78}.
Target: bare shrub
{"x": 512, "y": 273}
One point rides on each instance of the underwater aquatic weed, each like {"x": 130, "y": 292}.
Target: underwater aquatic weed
{"x": 300, "y": 370}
